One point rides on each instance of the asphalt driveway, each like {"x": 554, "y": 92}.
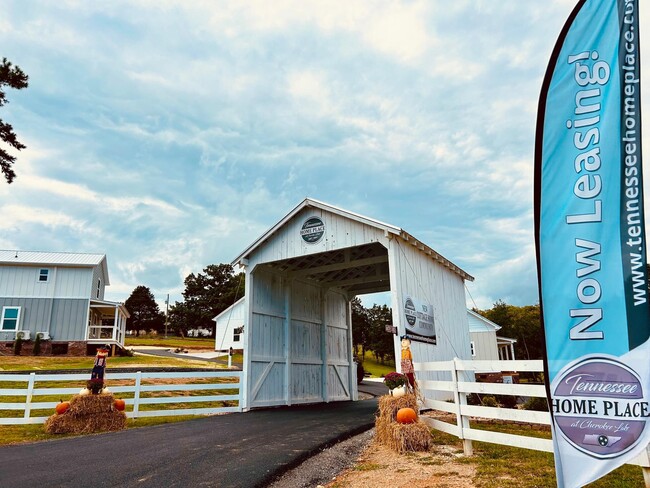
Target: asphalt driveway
{"x": 244, "y": 450}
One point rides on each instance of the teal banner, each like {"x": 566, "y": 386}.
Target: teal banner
{"x": 590, "y": 236}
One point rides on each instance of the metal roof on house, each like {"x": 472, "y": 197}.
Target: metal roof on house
{"x": 310, "y": 202}
{"x": 478, "y": 323}
{"x": 72, "y": 259}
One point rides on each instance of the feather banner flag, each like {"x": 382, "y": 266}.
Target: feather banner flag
{"x": 590, "y": 236}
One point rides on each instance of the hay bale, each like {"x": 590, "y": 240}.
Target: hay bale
{"x": 400, "y": 437}
{"x": 81, "y": 405}
{"x": 389, "y": 405}
{"x": 409, "y": 437}
{"x": 87, "y": 414}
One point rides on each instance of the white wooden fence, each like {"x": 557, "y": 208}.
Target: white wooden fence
{"x": 461, "y": 384}
{"x": 142, "y": 388}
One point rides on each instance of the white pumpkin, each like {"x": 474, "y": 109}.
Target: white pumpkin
{"x": 84, "y": 392}
{"x": 105, "y": 391}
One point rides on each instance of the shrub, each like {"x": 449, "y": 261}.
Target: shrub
{"x": 536, "y": 403}
{"x": 489, "y": 401}
{"x": 37, "y": 345}
{"x": 507, "y": 401}
{"x": 473, "y": 399}
{"x": 18, "y": 343}
{"x": 124, "y": 352}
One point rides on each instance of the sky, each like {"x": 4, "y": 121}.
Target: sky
{"x": 169, "y": 135}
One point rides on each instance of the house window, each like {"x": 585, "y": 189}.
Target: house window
{"x": 10, "y": 318}
{"x": 472, "y": 348}
{"x": 99, "y": 287}
{"x": 43, "y": 275}
{"x": 236, "y": 335}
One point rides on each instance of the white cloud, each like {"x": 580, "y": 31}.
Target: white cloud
{"x": 171, "y": 134}
{"x": 18, "y": 215}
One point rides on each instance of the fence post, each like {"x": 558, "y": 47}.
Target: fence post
{"x": 28, "y": 397}
{"x": 136, "y": 394}
{"x": 462, "y": 422}
{"x": 646, "y": 471}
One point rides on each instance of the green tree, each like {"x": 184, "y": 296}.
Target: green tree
{"x": 360, "y": 327}
{"x": 521, "y": 323}
{"x": 12, "y": 77}
{"x": 208, "y": 294}
{"x": 182, "y": 318}
{"x": 381, "y": 342}
{"x": 144, "y": 311}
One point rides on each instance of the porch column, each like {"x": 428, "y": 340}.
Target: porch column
{"x": 116, "y": 323}
{"x": 512, "y": 350}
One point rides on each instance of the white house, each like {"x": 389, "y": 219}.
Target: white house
{"x": 229, "y": 327}
{"x": 484, "y": 342}
{"x": 59, "y": 296}
{"x": 301, "y": 276}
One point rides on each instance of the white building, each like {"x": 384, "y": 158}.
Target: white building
{"x": 300, "y": 278}
{"x": 485, "y": 344}
{"x": 229, "y": 327}
{"x": 61, "y": 297}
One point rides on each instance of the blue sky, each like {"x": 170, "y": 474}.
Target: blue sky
{"x": 170, "y": 134}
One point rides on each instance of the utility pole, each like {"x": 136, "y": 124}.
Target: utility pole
{"x": 166, "y": 314}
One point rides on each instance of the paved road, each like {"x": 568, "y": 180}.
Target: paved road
{"x": 167, "y": 353}
{"x": 374, "y": 388}
{"x": 239, "y": 450}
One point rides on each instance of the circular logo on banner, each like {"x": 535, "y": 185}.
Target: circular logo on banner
{"x": 600, "y": 407}
{"x": 312, "y": 230}
{"x": 409, "y": 311}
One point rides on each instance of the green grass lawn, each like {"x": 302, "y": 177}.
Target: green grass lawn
{"x": 30, "y": 433}
{"x": 171, "y": 342}
{"x": 500, "y": 466}
{"x": 36, "y": 363}
{"x": 375, "y": 368}
{"x": 14, "y": 434}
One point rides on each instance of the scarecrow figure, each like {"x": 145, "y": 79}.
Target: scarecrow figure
{"x": 407, "y": 361}
{"x": 96, "y": 383}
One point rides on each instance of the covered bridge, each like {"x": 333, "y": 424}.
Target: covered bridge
{"x": 300, "y": 278}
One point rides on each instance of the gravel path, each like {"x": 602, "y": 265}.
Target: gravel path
{"x": 326, "y": 465}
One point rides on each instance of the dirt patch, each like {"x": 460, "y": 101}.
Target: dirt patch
{"x": 360, "y": 462}
{"x": 379, "y": 466}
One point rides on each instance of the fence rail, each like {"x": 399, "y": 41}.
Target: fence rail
{"x": 457, "y": 390}
{"x": 140, "y": 389}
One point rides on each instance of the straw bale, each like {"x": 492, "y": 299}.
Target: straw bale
{"x": 408, "y": 437}
{"x": 81, "y": 405}
{"x": 389, "y": 405}
{"x": 87, "y": 414}
{"x": 400, "y": 437}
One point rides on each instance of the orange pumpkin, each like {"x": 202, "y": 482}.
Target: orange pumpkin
{"x": 406, "y": 416}
{"x": 119, "y": 404}
{"x": 62, "y": 407}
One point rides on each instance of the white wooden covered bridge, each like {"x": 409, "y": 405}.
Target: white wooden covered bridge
{"x": 300, "y": 278}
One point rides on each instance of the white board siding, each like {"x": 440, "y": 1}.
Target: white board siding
{"x": 266, "y": 340}
{"x": 298, "y": 344}
{"x": 69, "y": 320}
{"x": 63, "y": 318}
{"x": 485, "y": 345}
{"x": 340, "y": 233}
{"x": 33, "y": 314}
{"x": 415, "y": 274}
{"x": 305, "y": 362}
{"x": 22, "y": 281}
{"x": 98, "y": 274}
{"x": 226, "y": 323}
{"x": 338, "y": 347}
